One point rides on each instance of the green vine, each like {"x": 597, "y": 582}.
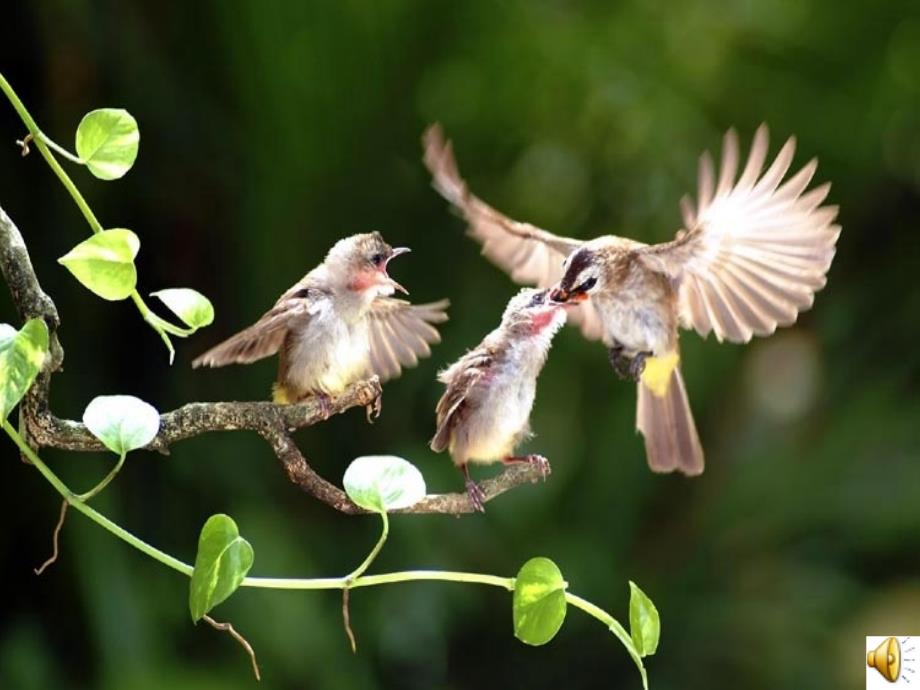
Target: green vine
{"x": 112, "y": 128}
{"x": 353, "y": 580}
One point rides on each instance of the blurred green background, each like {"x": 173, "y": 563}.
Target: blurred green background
{"x": 269, "y": 130}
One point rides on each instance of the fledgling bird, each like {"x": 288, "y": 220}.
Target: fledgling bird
{"x": 337, "y": 325}
{"x": 484, "y": 413}
{"x": 750, "y": 257}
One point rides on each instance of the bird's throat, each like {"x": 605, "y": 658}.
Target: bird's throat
{"x": 543, "y": 320}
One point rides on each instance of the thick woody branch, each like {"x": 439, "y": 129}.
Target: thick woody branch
{"x": 272, "y": 422}
{"x": 195, "y": 419}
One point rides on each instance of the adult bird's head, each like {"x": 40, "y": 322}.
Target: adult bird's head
{"x": 360, "y": 262}
{"x": 582, "y": 274}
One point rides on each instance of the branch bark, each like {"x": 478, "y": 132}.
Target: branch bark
{"x": 274, "y": 423}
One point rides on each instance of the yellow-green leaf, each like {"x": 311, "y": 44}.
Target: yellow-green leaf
{"x": 107, "y": 141}
{"x": 104, "y": 263}
{"x": 538, "y": 604}
{"x": 644, "y": 623}
{"x": 22, "y": 355}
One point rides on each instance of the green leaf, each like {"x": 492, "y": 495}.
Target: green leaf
{"x": 644, "y": 623}
{"x": 222, "y": 562}
{"x": 107, "y": 142}
{"x": 191, "y": 306}
{"x": 122, "y": 422}
{"x": 22, "y": 354}
{"x": 538, "y": 605}
{"x": 382, "y": 483}
{"x": 104, "y": 263}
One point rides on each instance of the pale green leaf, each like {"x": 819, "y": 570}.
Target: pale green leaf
{"x": 191, "y": 306}
{"x": 122, "y": 422}
{"x": 107, "y": 141}
{"x": 222, "y": 561}
{"x": 382, "y": 483}
{"x": 104, "y": 263}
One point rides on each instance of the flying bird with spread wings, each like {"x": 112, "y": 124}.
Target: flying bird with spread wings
{"x": 750, "y": 256}
{"x": 337, "y": 325}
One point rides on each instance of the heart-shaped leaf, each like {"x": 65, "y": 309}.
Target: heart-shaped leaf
{"x": 107, "y": 141}
{"x": 222, "y": 562}
{"x": 22, "y": 354}
{"x": 538, "y": 604}
{"x": 122, "y": 422}
{"x": 191, "y": 306}
{"x": 104, "y": 263}
{"x": 644, "y": 623}
{"x": 382, "y": 483}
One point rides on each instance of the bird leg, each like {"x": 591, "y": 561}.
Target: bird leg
{"x": 473, "y": 490}
{"x": 373, "y": 410}
{"x": 325, "y": 404}
{"x": 626, "y": 367}
{"x": 619, "y": 360}
{"x": 637, "y": 365}
{"x": 537, "y": 461}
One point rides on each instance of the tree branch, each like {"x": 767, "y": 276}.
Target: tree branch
{"x": 274, "y": 423}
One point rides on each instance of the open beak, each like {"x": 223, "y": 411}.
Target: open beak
{"x": 397, "y": 251}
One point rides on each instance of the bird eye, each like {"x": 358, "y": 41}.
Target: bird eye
{"x": 377, "y": 259}
{"x": 587, "y": 285}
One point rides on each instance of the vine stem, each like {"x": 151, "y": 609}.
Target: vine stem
{"x": 263, "y": 582}
{"x": 60, "y": 149}
{"x": 614, "y": 626}
{"x": 106, "y": 480}
{"x": 320, "y": 583}
{"x": 42, "y": 141}
{"x": 94, "y": 515}
{"x": 357, "y": 572}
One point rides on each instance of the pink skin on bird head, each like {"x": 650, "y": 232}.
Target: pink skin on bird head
{"x": 543, "y": 318}
{"x": 377, "y": 277}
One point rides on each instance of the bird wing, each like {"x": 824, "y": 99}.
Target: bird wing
{"x": 531, "y": 256}
{"x": 754, "y": 251}
{"x": 460, "y": 378}
{"x": 401, "y": 332}
{"x": 265, "y": 336}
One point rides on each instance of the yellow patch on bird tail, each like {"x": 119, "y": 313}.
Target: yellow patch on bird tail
{"x": 657, "y": 372}
{"x": 280, "y": 395}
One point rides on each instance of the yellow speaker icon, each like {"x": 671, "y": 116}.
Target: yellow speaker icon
{"x": 886, "y": 659}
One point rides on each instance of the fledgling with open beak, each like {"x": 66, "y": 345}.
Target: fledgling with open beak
{"x": 484, "y": 413}
{"x": 337, "y": 325}
{"x": 750, "y": 257}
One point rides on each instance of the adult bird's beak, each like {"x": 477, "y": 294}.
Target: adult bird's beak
{"x": 396, "y": 252}
{"x": 564, "y": 297}
{"x": 559, "y": 295}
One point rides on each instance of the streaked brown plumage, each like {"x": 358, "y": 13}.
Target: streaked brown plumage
{"x": 485, "y": 410}
{"x": 750, "y": 257}
{"x": 337, "y": 325}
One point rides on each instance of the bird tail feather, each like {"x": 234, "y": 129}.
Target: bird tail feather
{"x": 664, "y": 419}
